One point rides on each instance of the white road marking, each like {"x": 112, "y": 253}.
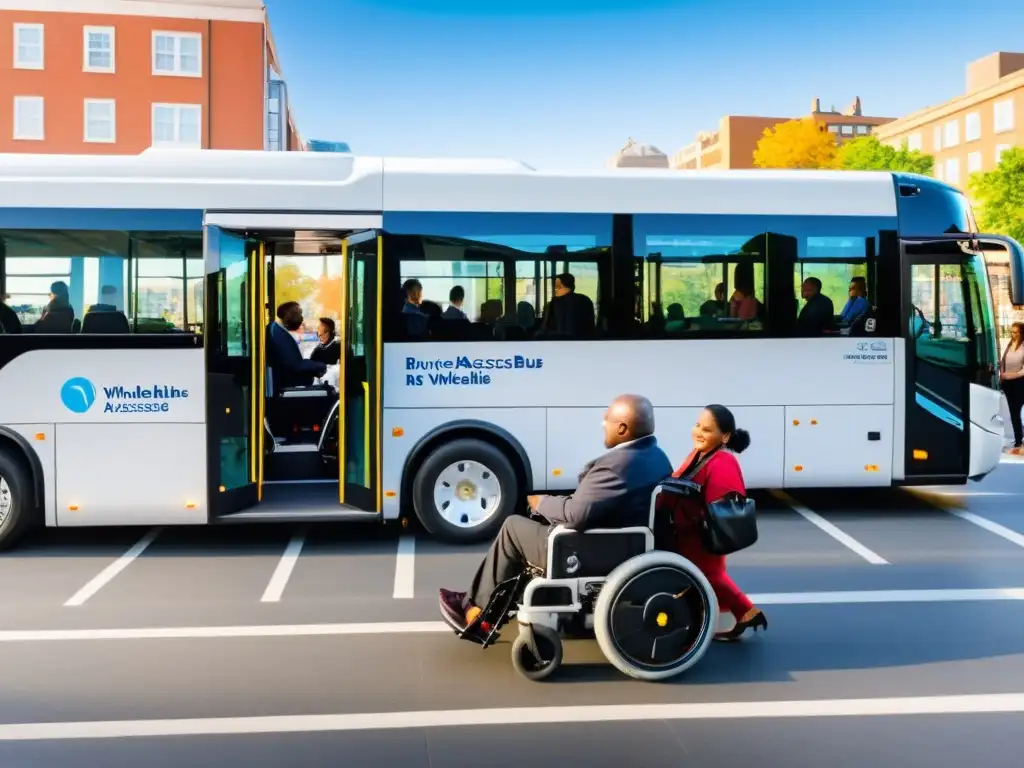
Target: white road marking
{"x": 999, "y": 530}
{"x": 447, "y": 718}
{"x": 405, "y": 568}
{"x": 285, "y": 566}
{"x": 432, "y": 627}
{"x": 107, "y": 575}
{"x": 969, "y": 493}
{"x": 843, "y": 538}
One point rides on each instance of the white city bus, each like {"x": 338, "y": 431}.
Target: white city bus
{"x": 143, "y": 394}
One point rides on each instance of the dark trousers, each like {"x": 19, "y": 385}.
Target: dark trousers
{"x": 521, "y": 541}
{"x": 1014, "y": 391}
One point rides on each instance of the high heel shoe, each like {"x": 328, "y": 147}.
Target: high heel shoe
{"x": 755, "y": 621}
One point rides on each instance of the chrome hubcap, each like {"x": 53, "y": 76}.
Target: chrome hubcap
{"x": 6, "y": 501}
{"x": 467, "y": 494}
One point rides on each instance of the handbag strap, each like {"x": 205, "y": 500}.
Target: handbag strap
{"x": 693, "y": 470}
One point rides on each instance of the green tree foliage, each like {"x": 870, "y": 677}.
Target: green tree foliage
{"x": 803, "y": 143}
{"x": 999, "y": 195}
{"x": 869, "y": 154}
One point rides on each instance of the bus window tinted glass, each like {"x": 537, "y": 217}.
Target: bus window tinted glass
{"x": 93, "y": 281}
{"x": 497, "y": 277}
{"x": 701, "y": 282}
{"x": 938, "y": 321}
{"x": 834, "y": 283}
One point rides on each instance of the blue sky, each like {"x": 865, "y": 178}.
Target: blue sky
{"x": 558, "y": 83}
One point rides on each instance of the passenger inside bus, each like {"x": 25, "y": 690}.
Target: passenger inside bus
{"x": 568, "y": 313}
{"x": 289, "y": 367}
{"x": 328, "y": 349}
{"x": 818, "y": 313}
{"x": 857, "y": 305}
{"x": 456, "y": 296}
{"x": 58, "y": 315}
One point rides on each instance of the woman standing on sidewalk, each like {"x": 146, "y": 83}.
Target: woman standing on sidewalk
{"x": 1011, "y": 378}
{"x": 715, "y": 435}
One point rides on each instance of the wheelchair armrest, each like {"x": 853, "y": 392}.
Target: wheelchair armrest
{"x": 677, "y": 486}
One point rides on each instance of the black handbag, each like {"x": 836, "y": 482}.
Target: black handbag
{"x": 728, "y": 524}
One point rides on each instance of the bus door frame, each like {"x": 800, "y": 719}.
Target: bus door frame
{"x": 238, "y": 225}
{"x": 930, "y": 427}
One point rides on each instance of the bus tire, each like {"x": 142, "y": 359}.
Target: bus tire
{"x": 453, "y": 480}
{"x": 16, "y": 505}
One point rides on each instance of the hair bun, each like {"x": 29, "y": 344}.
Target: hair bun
{"x": 740, "y": 441}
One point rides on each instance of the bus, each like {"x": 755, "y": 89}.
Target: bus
{"x": 137, "y": 385}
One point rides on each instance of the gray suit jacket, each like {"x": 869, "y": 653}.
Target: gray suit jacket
{"x": 614, "y": 490}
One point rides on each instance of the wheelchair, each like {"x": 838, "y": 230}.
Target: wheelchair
{"x": 652, "y": 611}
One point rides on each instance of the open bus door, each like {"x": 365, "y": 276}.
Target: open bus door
{"x": 235, "y": 275}
{"x": 253, "y": 473}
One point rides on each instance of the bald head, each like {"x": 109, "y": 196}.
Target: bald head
{"x": 629, "y": 417}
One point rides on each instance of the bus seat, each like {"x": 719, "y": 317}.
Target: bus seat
{"x": 105, "y": 322}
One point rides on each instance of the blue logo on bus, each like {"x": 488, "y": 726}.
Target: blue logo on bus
{"x": 78, "y": 394}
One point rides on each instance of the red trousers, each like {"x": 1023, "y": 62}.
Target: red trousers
{"x": 730, "y": 597}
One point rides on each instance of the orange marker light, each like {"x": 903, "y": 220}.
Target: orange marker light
{"x": 190, "y": 505}
{"x": 813, "y": 422}
{"x": 556, "y": 472}
{"x": 796, "y": 422}
{"x": 919, "y": 454}
{"x": 390, "y": 494}
{"x": 798, "y": 468}
{"x": 397, "y": 432}
{"x": 73, "y": 507}
{"x": 222, "y": 489}
{"x": 40, "y": 436}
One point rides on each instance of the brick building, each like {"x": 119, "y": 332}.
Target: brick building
{"x": 119, "y": 76}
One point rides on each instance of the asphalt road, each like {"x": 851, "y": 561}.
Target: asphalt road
{"x": 896, "y": 638}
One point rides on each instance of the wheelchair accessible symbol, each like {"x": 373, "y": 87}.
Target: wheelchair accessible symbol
{"x": 78, "y": 394}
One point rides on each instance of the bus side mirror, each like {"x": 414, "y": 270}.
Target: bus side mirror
{"x": 1016, "y": 262}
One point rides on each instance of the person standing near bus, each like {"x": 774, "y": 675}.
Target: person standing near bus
{"x": 1011, "y": 377}
{"x": 714, "y": 435}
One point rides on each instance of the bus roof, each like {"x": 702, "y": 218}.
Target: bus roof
{"x": 326, "y": 182}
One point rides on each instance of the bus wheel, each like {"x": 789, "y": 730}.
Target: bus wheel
{"x": 15, "y": 499}
{"x": 464, "y": 490}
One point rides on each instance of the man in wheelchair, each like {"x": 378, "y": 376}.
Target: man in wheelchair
{"x": 614, "y": 491}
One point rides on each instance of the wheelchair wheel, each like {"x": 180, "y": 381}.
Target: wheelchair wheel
{"x": 655, "y": 616}
{"x": 549, "y": 646}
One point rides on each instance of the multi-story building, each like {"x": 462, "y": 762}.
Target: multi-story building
{"x": 119, "y": 76}
{"x": 733, "y": 144}
{"x": 968, "y": 134}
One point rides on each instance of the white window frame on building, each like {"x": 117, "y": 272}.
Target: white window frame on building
{"x": 973, "y": 162}
{"x": 846, "y": 130}
{"x": 1000, "y": 148}
{"x": 87, "y": 119}
{"x": 951, "y": 133}
{"x": 914, "y": 141}
{"x": 109, "y": 49}
{"x": 863, "y": 130}
{"x": 17, "y": 46}
{"x": 953, "y": 164}
{"x": 972, "y": 126}
{"x": 177, "y": 110}
{"x": 176, "y": 69}
{"x": 937, "y": 138}
{"x": 938, "y": 171}
{"x": 20, "y": 102}
{"x": 1005, "y": 124}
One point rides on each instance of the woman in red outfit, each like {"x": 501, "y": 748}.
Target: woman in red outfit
{"x": 715, "y": 433}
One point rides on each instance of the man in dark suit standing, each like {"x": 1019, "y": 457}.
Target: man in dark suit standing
{"x": 614, "y": 491}
{"x": 290, "y": 368}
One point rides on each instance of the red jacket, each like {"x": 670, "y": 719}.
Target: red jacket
{"x": 720, "y": 475}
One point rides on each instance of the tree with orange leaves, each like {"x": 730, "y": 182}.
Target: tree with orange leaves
{"x": 803, "y": 143}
